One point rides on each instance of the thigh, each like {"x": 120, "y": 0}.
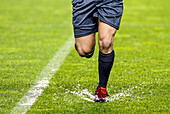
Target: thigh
{"x": 86, "y": 43}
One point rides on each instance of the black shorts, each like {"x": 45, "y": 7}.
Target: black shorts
{"x": 87, "y": 12}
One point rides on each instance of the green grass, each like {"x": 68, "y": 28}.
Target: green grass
{"x": 32, "y": 31}
{"x": 30, "y": 34}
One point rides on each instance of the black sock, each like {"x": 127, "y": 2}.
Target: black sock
{"x": 105, "y": 66}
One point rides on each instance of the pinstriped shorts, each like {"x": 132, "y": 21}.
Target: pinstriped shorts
{"x": 87, "y": 12}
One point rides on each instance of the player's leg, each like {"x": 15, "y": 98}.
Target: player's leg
{"x": 106, "y": 59}
{"x": 85, "y": 26}
{"x": 106, "y": 53}
{"x": 85, "y": 45}
{"x": 109, "y": 15}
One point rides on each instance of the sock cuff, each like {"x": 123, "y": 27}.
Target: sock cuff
{"x": 107, "y": 57}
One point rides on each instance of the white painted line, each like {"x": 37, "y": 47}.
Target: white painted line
{"x": 123, "y": 94}
{"x": 80, "y": 94}
{"x": 43, "y": 79}
{"x": 84, "y": 93}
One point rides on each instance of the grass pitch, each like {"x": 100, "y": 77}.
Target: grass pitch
{"x": 32, "y": 31}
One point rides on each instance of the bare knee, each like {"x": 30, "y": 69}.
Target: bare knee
{"x": 83, "y": 51}
{"x": 106, "y": 45}
{"x": 85, "y": 45}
